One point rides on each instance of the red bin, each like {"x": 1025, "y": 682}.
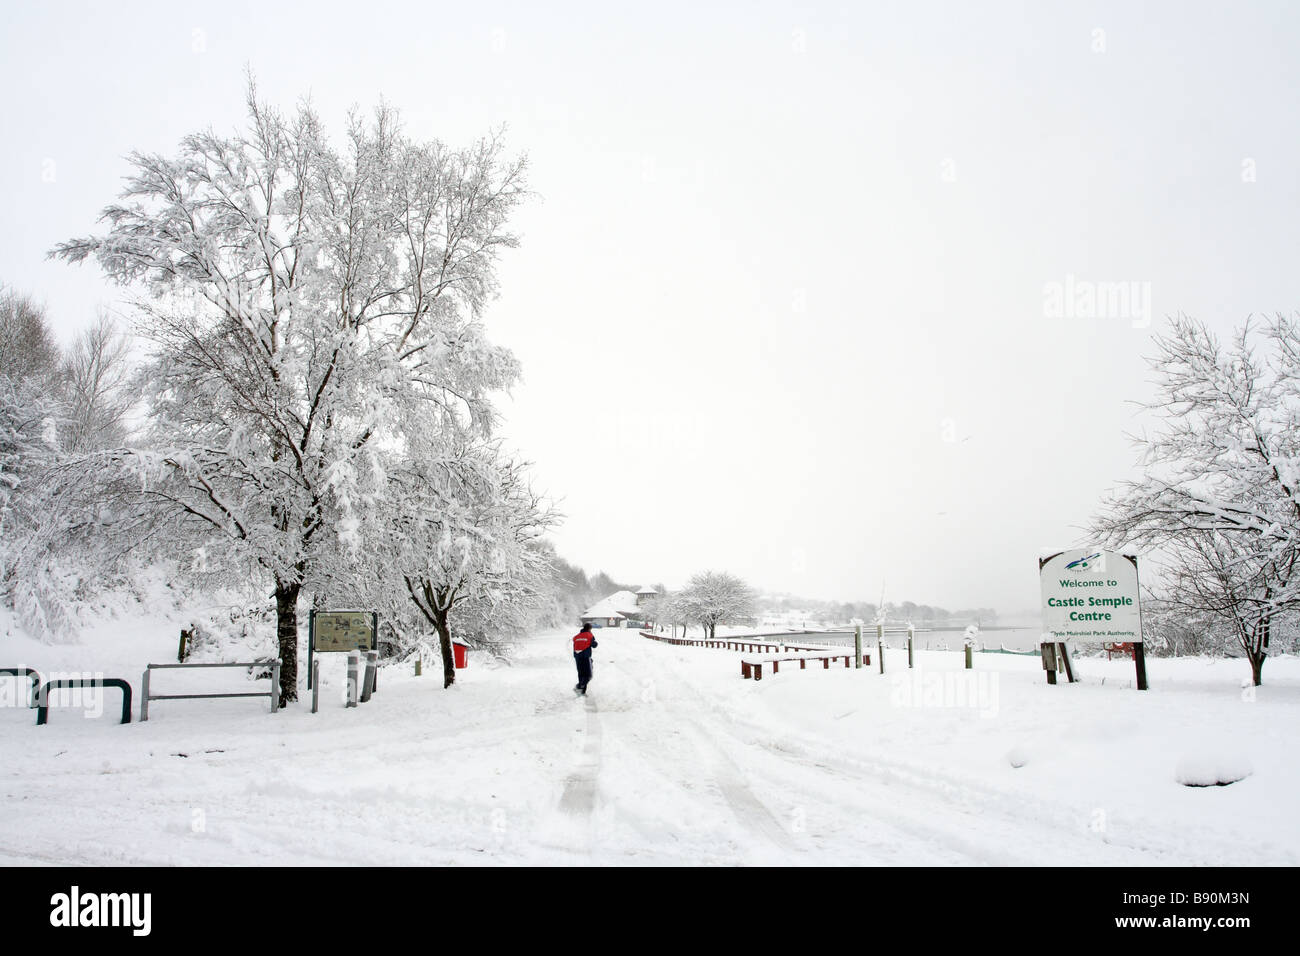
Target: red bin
{"x": 460, "y": 653}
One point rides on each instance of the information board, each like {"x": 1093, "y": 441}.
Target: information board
{"x": 343, "y": 631}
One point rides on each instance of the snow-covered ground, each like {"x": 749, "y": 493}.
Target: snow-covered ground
{"x": 671, "y": 759}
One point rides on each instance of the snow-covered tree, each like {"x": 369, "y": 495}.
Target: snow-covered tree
{"x": 1219, "y": 574}
{"x": 29, "y": 408}
{"x": 664, "y": 608}
{"x": 1170, "y": 629}
{"x": 676, "y": 612}
{"x": 29, "y": 417}
{"x": 96, "y": 388}
{"x": 715, "y": 597}
{"x": 311, "y": 311}
{"x": 1220, "y": 494}
{"x": 655, "y": 610}
{"x": 27, "y": 344}
{"x": 31, "y": 413}
{"x": 463, "y": 534}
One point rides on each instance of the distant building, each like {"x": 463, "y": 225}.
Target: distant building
{"x": 620, "y": 609}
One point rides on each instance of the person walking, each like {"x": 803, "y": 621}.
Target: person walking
{"x": 583, "y": 642}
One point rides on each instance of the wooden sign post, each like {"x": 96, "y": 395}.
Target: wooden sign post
{"x": 1140, "y": 664}
{"x": 1056, "y": 657}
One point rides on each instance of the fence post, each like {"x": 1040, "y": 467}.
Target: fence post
{"x": 911, "y": 632}
{"x": 144, "y": 694}
{"x": 275, "y": 686}
{"x": 880, "y": 645}
{"x": 315, "y": 684}
{"x": 857, "y": 645}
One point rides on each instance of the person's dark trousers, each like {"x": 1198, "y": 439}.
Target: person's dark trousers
{"x": 583, "y": 659}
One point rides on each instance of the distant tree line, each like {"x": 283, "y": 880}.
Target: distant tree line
{"x": 571, "y": 591}
{"x": 844, "y": 611}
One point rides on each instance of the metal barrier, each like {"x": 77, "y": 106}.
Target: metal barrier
{"x": 43, "y": 696}
{"x": 26, "y": 672}
{"x": 273, "y": 693}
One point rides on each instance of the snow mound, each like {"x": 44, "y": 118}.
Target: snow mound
{"x": 1018, "y": 756}
{"x": 1212, "y": 769}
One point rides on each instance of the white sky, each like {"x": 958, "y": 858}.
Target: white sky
{"x": 782, "y": 253}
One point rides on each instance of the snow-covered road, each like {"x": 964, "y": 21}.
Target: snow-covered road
{"x": 671, "y": 759}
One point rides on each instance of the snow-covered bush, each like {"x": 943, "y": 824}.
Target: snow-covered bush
{"x": 240, "y": 632}
{"x": 1212, "y": 768}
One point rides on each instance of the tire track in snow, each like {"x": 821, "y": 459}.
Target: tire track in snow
{"x": 579, "y": 795}
{"x": 689, "y": 720}
{"x": 889, "y": 798}
{"x": 900, "y": 796}
{"x": 745, "y": 805}
{"x": 998, "y": 816}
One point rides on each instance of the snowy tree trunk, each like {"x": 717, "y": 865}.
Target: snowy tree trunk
{"x": 1257, "y": 648}
{"x": 286, "y": 629}
{"x": 444, "y": 645}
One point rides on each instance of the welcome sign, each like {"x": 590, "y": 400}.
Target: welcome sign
{"x": 1091, "y": 596}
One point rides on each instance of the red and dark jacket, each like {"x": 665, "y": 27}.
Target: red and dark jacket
{"x": 583, "y": 642}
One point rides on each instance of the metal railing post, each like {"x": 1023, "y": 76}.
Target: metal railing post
{"x": 368, "y": 678}
{"x": 354, "y": 660}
